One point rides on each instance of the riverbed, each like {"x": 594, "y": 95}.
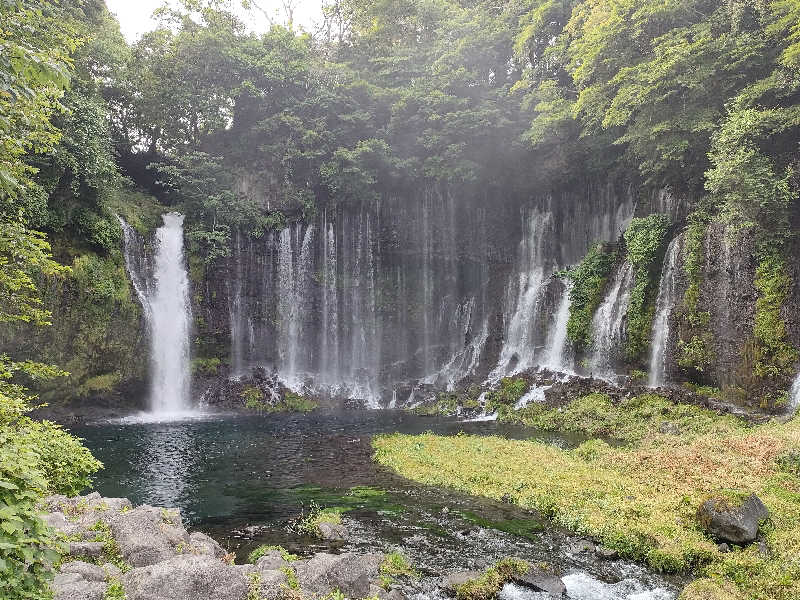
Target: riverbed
{"x": 246, "y": 480}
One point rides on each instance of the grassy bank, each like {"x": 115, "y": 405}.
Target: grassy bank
{"x": 641, "y": 498}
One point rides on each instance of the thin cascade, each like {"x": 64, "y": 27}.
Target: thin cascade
{"x": 525, "y": 293}
{"x": 329, "y": 365}
{"x": 556, "y": 357}
{"x": 236, "y": 309}
{"x": 136, "y": 264}
{"x": 608, "y": 324}
{"x": 665, "y": 303}
{"x": 794, "y": 396}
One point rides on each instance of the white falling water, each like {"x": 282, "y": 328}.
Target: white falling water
{"x": 794, "y": 396}
{"x": 555, "y": 358}
{"x": 168, "y": 310}
{"x": 329, "y": 366}
{"x": 135, "y": 264}
{"x": 526, "y": 293}
{"x": 667, "y": 292}
{"x": 608, "y": 324}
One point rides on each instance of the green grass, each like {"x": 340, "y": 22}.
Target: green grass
{"x": 266, "y": 549}
{"x": 631, "y": 420}
{"x": 639, "y": 499}
{"x": 528, "y": 528}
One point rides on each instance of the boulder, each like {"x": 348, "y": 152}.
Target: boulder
{"x": 732, "y": 524}
{"x": 187, "y": 577}
{"x": 148, "y": 535}
{"x": 539, "y": 580}
{"x": 272, "y": 584}
{"x": 332, "y": 531}
{"x": 73, "y": 586}
{"x": 582, "y": 546}
{"x": 86, "y": 549}
{"x": 90, "y": 572}
{"x": 376, "y": 591}
{"x": 202, "y": 544}
{"x": 450, "y": 583}
{"x": 271, "y": 561}
{"x": 351, "y": 573}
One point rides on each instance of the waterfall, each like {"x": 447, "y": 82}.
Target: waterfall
{"x": 165, "y": 301}
{"x": 794, "y": 396}
{"x": 524, "y": 293}
{"x": 170, "y": 308}
{"x": 608, "y": 323}
{"x": 667, "y": 292}
{"x": 555, "y": 358}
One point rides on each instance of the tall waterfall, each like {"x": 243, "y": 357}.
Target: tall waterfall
{"x": 608, "y": 324}
{"x": 667, "y": 292}
{"x": 163, "y": 289}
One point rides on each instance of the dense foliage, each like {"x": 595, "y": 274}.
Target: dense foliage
{"x": 589, "y": 281}
{"x": 644, "y": 244}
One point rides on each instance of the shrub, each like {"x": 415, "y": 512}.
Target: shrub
{"x": 36, "y": 458}
{"x": 644, "y": 240}
{"x": 589, "y": 280}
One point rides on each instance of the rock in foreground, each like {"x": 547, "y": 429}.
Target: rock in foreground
{"x": 732, "y": 524}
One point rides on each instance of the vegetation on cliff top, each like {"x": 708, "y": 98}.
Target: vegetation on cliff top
{"x": 639, "y": 499}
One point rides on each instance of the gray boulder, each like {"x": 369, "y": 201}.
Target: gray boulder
{"x": 86, "y": 549}
{"x": 351, "y": 573}
{"x": 148, "y": 535}
{"x": 332, "y": 531}
{"x": 272, "y": 583}
{"x": 187, "y": 577}
{"x": 732, "y": 524}
{"x": 90, "y": 572}
{"x": 271, "y": 561}
{"x": 202, "y": 544}
{"x": 539, "y": 580}
{"x": 72, "y": 586}
{"x": 450, "y": 583}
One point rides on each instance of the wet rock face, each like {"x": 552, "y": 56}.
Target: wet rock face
{"x": 732, "y": 524}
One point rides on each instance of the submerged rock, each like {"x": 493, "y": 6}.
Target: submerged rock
{"x": 450, "y": 583}
{"x": 539, "y": 580}
{"x": 332, "y": 531}
{"x": 732, "y": 524}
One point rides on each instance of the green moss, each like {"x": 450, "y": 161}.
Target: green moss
{"x": 310, "y": 523}
{"x": 115, "y": 590}
{"x": 644, "y": 243}
{"x": 630, "y": 420}
{"x": 297, "y": 403}
{"x": 528, "y": 528}
{"x": 265, "y": 549}
{"x": 291, "y": 578}
{"x": 589, "y": 281}
{"x": 503, "y": 398}
{"x": 395, "y": 565}
{"x": 775, "y": 356}
{"x": 206, "y": 366}
{"x": 695, "y": 341}
{"x": 490, "y": 583}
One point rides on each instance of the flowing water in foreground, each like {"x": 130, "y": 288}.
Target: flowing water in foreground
{"x": 244, "y": 479}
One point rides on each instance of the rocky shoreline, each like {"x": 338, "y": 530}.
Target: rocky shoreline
{"x": 116, "y": 551}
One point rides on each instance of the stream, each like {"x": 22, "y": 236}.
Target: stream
{"x": 245, "y": 479}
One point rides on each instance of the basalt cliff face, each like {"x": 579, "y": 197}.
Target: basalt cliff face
{"x": 435, "y": 290}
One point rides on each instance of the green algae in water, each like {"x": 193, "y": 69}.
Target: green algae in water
{"x": 527, "y": 528}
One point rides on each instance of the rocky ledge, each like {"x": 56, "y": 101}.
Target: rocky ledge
{"x": 114, "y": 551}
